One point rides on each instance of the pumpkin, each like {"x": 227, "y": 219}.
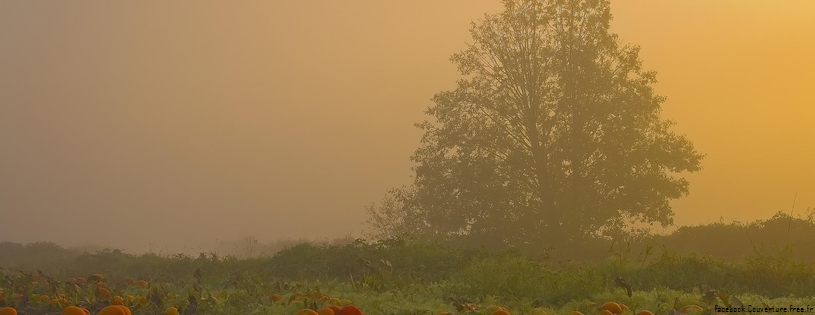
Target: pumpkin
{"x": 500, "y": 312}
{"x": 492, "y": 308}
{"x": 275, "y": 297}
{"x": 104, "y": 292}
{"x": 335, "y": 308}
{"x": 306, "y": 311}
{"x": 171, "y": 311}
{"x": 326, "y": 311}
{"x": 645, "y": 312}
{"x": 8, "y": 311}
{"x": 349, "y": 310}
{"x": 606, "y": 312}
{"x": 613, "y": 307}
{"x": 127, "y": 310}
{"x": 142, "y": 283}
{"x": 578, "y": 313}
{"x": 112, "y": 310}
{"x": 73, "y": 310}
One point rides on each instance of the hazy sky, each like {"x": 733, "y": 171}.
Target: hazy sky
{"x": 179, "y": 123}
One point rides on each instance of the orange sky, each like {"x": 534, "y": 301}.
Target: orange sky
{"x": 180, "y": 123}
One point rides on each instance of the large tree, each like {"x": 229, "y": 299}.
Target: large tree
{"x": 553, "y": 134}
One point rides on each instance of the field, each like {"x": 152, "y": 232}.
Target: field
{"x": 398, "y": 277}
{"x": 743, "y": 265}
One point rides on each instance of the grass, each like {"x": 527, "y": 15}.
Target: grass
{"x": 401, "y": 277}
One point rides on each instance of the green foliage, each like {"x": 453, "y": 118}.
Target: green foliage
{"x": 503, "y": 275}
{"x": 392, "y": 259}
{"x": 409, "y": 276}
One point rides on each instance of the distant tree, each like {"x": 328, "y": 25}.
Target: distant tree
{"x": 552, "y": 135}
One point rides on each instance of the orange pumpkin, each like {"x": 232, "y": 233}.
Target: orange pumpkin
{"x": 349, "y": 310}
{"x": 613, "y": 307}
{"x": 171, "y": 311}
{"x": 275, "y": 297}
{"x": 103, "y": 292}
{"x": 113, "y": 310}
{"x": 500, "y": 312}
{"x": 306, "y": 311}
{"x": 142, "y": 283}
{"x": 326, "y": 311}
{"x": 73, "y": 310}
{"x": 335, "y": 308}
{"x": 8, "y": 311}
{"x": 97, "y": 277}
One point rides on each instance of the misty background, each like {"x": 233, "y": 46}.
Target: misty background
{"x": 152, "y": 125}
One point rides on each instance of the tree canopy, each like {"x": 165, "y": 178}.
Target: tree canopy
{"x": 553, "y": 134}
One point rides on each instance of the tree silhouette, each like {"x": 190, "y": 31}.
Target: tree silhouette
{"x": 552, "y": 135}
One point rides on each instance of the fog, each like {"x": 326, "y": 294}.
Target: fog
{"x": 146, "y": 124}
